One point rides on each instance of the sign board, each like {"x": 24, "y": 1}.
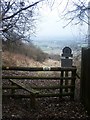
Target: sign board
{"x": 66, "y": 59}
{"x": 67, "y": 52}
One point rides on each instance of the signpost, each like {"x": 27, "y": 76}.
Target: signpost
{"x": 66, "y": 58}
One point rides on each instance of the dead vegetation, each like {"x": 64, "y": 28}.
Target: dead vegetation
{"x": 13, "y": 59}
{"x": 28, "y": 50}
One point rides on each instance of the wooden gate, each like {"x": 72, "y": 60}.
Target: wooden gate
{"x": 60, "y": 83}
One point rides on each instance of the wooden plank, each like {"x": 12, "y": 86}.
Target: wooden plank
{"x": 53, "y": 87}
{"x": 38, "y": 68}
{"x": 54, "y": 95}
{"x": 40, "y": 87}
{"x": 73, "y": 83}
{"x": 38, "y": 95}
{"x": 11, "y": 87}
{"x": 66, "y": 82}
{"x": 13, "y": 90}
{"x": 61, "y": 82}
{"x": 32, "y": 91}
{"x": 36, "y": 78}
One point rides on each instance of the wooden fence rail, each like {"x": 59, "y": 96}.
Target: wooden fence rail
{"x": 66, "y": 85}
{"x": 39, "y": 68}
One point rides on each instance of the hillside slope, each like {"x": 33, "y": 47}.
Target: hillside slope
{"x": 15, "y": 59}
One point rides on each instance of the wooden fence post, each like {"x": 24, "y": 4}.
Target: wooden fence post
{"x": 0, "y": 74}
{"x": 61, "y": 83}
{"x": 66, "y": 81}
{"x": 12, "y": 90}
{"x": 85, "y": 78}
{"x": 32, "y": 101}
{"x": 73, "y": 83}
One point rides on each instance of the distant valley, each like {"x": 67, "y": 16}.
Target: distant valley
{"x": 56, "y": 46}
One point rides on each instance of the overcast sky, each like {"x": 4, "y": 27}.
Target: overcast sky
{"x": 50, "y": 25}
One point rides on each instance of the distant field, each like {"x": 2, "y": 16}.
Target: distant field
{"x": 56, "y": 46}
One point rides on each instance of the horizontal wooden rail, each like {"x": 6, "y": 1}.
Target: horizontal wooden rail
{"x": 54, "y": 95}
{"x": 11, "y": 87}
{"x": 41, "y": 87}
{"x": 35, "y": 77}
{"x": 39, "y": 95}
{"x": 39, "y": 68}
{"x": 53, "y": 87}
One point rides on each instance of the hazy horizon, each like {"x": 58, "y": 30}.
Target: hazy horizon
{"x": 55, "y": 46}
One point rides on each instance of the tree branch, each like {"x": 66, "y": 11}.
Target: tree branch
{"x": 22, "y": 9}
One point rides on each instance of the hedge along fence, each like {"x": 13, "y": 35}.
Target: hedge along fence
{"x": 66, "y": 86}
{"x": 85, "y": 78}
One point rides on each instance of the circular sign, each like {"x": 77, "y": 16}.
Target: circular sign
{"x": 67, "y": 50}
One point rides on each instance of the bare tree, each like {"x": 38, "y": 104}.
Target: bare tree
{"x": 76, "y": 11}
{"x": 18, "y": 17}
